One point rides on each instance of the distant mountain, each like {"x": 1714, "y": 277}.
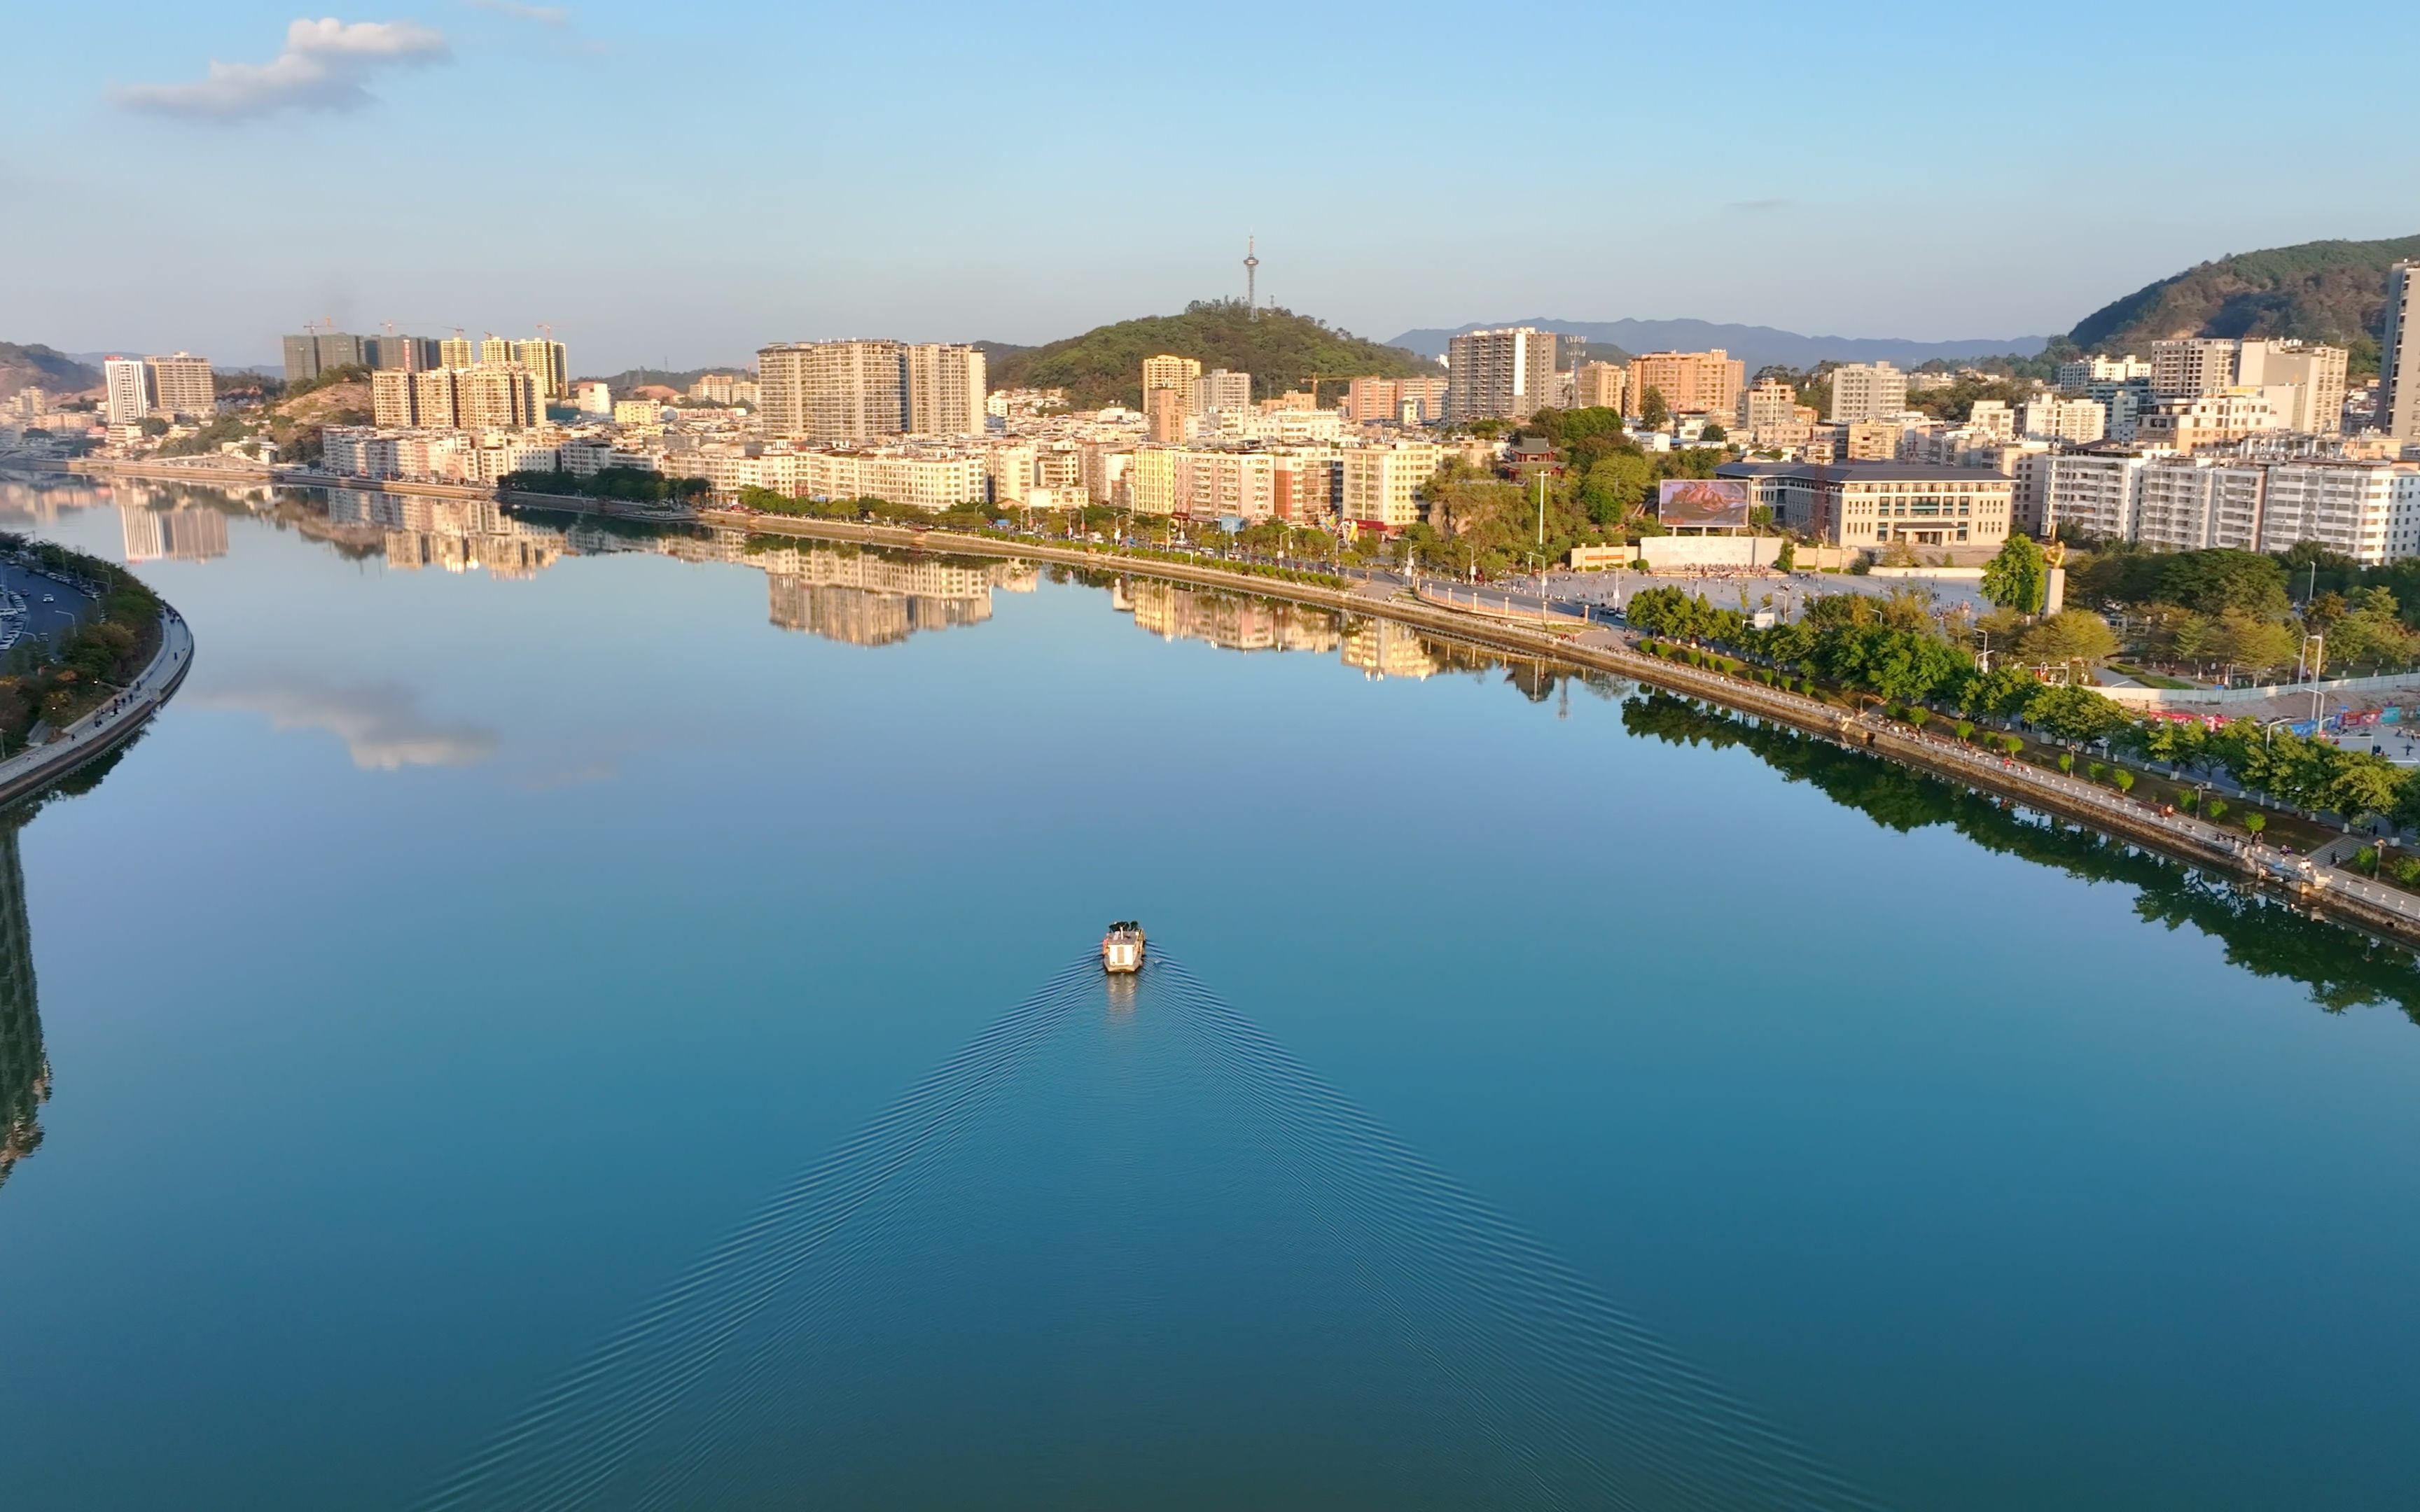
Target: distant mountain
{"x": 679, "y": 380}
{"x": 2331, "y": 291}
{"x": 1754, "y": 346}
{"x": 43, "y": 368}
{"x": 1280, "y": 349}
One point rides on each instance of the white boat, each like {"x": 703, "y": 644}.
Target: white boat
{"x": 1122, "y": 948}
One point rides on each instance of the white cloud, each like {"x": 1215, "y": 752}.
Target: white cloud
{"x": 323, "y": 68}
{"x": 543, "y": 15}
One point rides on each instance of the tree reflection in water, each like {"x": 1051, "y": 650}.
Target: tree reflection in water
{"x": 25, "y": 1070}
{"x": 2343, "y": 968}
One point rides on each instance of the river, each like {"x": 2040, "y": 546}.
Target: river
{"x": 521, "y": 936}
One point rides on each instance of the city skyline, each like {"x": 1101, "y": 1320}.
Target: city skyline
{"x": 1672, "y": 229}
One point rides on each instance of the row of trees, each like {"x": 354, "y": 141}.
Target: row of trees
{"x": 1889, "y": 646}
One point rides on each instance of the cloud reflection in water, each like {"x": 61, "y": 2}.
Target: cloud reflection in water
{"x": 381, "y": 723}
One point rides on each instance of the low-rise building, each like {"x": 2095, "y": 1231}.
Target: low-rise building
{"x": 1962, "y": 513}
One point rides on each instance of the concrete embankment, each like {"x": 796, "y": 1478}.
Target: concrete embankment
{"x": 112, "y": 725}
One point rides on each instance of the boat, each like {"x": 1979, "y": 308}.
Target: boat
{"x": 1122, "y": 948}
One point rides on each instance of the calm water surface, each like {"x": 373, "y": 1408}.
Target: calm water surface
{"x": 502, "y": 914}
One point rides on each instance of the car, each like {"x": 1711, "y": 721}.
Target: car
{"x": 49, "y": 598}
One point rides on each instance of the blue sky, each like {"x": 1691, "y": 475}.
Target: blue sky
{"x": 686, "y": 183}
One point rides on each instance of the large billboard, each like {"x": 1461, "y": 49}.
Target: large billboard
{"x": 1709, "y": 503}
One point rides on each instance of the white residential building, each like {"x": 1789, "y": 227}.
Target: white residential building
{"x": 2073, "y": 378}
{"x": 2093, "y": 493}
{"x": 1867, "y": 390}
{"x": 2192, "y": 367}
{"x": 2305, "y": 383}
{"x": 2050, "y": 418}
{"x": 126, "y": 389}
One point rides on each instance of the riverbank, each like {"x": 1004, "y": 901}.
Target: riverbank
{"x": 107, "y": 729}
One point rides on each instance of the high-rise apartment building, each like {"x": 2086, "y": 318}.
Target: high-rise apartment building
{"x": 391, "y": 399}
{"x": 833, "y": 391}
{"x": 180, "y": 385}
{"x": 2192, "y": 367}
{"x": 1170, "y": 374}
{"x": 315, "y": 352}
{"x": 126, "y": 389}
{"x": 1422, "y": 400}
{"x": 1380, "y": 484}
{"x": 1597, "y": 386}
{"x": 456, "y": 351}
{"x": 433, "y": 404}
{"x": 1770, "y": 406}
{"x": 1220, "y": 389}
{"x": 545, "y": 362}
{"x": 410, "y": 354}
{"x": 495, "y": 348}
{"x": 1499, "y": 375}
{"x": 2398, "y": 374}
{"x": 497, "y": 396}
{"x": 1867, "y": 390}
{"x": 1691, "y": 383}
{"x": 946, "y": 389}
{"x": 2317, "y": 372}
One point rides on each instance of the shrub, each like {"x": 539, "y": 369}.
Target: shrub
{"x": 2214, "y": 810}
{"x": 2012, "y": 744}
{"x": 2187, "y": 800}
{"x": 2365, "y": 859}
{"x": 2256, "y": 822}
{"x": 2125, "y": 781}
{"x": 1966, "y": 730}
{"x": 2095, "y": 770}
{"x": 2407, "y": 871}
{"x": 2067, "y": 761}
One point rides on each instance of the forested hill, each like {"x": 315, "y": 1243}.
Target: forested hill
{"x": 2332, "y": 291}
{"x": 1280, "y": 349}
{"x": 41, "y": 368}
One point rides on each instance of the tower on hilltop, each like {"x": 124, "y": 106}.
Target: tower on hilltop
{"x": 1251, "y": 276}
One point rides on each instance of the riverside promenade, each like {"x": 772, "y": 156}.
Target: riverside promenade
{"x": 2333, "y": 890}
{"x": 109, "y": 727}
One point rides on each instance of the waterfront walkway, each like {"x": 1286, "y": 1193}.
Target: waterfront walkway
{"x": 111, "y": 725}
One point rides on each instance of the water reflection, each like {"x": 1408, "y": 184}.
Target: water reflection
{"x": 25, "y": 1070}
{"x": 174, "y": 534}
{"x": 2342, "y": 967}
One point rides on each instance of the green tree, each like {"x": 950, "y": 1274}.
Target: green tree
{"x": 2125, "y": 781}
{"x": 1713, "y": 432}
{"x": 2256, "y": 822}
{"x": 2018, "y": 577}
{"x": 2361, "y": 784}
{"x": 2073, "y": 713}
{"x": 2253, "y": 642}
{"x": 2069, "y": 637}
{"x": 1655, "y": 410}
{"x": 2215, "y": 810}
{"x": 2214, "y": 581}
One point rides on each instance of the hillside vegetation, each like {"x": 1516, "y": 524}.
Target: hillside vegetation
{"x": 1280, "y": 349}
{"x": 2331, "y": 291}
{"x": 43, "y": 368}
